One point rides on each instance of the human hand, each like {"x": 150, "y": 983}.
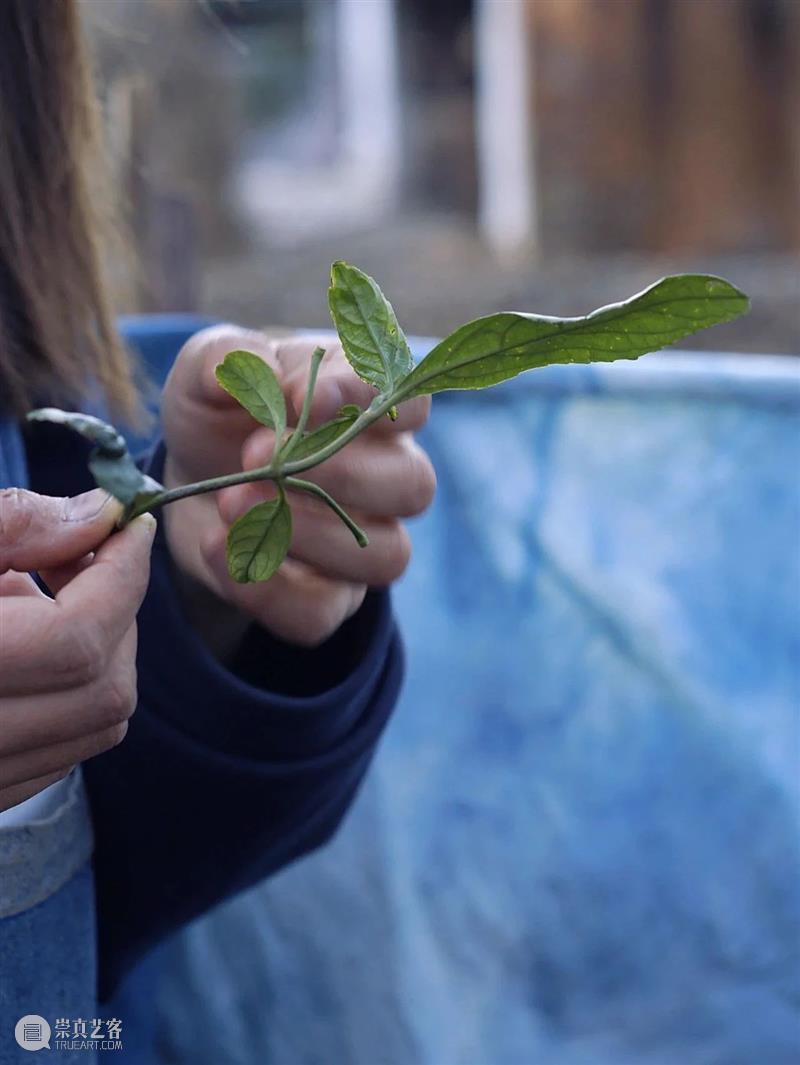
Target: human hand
{"x": 68, "y": 664}
{"x": 381, "y": 477}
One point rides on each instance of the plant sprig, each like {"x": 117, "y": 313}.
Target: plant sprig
{"x": 479, "y": 354}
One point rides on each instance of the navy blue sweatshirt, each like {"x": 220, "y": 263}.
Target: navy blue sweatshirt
{"x": 226, "y": 774}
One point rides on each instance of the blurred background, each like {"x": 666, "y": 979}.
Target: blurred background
{"x": 473, "y": 155}
{"x": 578, "y": 842}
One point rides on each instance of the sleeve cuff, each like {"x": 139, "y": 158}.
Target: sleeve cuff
{"x": 279, "y": 702}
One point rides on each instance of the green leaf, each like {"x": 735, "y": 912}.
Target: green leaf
{"x": 349, "y": 410}
{"x": 109, "y": 460}
{"x": 324, "y": 435}
{"x": 373, "y": 342}
{"x": 259, "y": 541}
{"x": 500, "y": 346}
{"x": 254, "y": 384}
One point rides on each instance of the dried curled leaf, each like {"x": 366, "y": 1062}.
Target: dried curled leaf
{"x": 110, "y": 461}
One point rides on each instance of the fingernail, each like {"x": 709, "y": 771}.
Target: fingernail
{"x": 147, "y": 523}
{"x": 88, "y": 506}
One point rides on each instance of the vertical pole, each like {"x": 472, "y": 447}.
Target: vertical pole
{"x": 370, "y": 92}
{"x": 507, "y": 201}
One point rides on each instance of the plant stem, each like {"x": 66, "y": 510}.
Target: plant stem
{"x": 213, "y": 484}
{"x": 317, "y": 355}
{"x": 320, "y": 493}
{"x": 376, "y": 410}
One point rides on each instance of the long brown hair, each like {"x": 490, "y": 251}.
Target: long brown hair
{"x": 57, "y": 330}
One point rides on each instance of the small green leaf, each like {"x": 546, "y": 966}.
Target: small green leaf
{"x": 349, "y": 410}
{"x": 324, "y": 435}
{"x": 259, "y": 541}
{"x": 254, "y": 384}
{"x": 500, "y": 346}
{"x": 373, "y": 342}
{"x": 109, "y": 460}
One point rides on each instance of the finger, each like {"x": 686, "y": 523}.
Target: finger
{"x": 296, "y": 604}
{"x": 390, "y": 477}
{"x": 53, "y": 645}
{"x": 322, "y": 541}
{"x": 258, "y": 449}
{"x": 60, "y": 576}
{"x": 42, "y": 531}
{"x": 338, "y": 386}
{"x": 193, "y": 395}
{"x": 200, "y": 356}
{"x": 18, "y": 793}
{"x": 15, "y": 585}
{"x": 17, "y": 768}
{"x": 28, "y": 722}
{"x": 108, "y": 593}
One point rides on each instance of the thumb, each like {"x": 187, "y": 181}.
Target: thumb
{"x": 40, "y": 532}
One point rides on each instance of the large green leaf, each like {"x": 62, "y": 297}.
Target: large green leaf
{"x": 492, "y": 349}
{"x": 259, "y": 540}
{"x": 373, "y": 342}
{"x": 110, "y": 461}
{"x": 253, "y": 383}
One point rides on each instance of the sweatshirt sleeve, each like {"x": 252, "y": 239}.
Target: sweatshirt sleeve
{"x": 227, "y": 775}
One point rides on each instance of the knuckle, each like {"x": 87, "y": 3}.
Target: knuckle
{"x": 118, "y": 698}
{"x": 215, "y": 340}
{"x": 397, "y": 554}
{"x": 312, "y": 635}
{"x": 421, "y": 482}
{"x": 421, "y": 410}
{"x": 295, "y": 395}
{"x": 347, "y": 476}
{"x": 358, "y": 593}
{"x": 104, "y": 740}
{"x": 258, "y": 448}
{"x": 203, "y": 351}
{"x": 117, "y": 734}
{"x": 82, "y": 650}
{"x": 320, "y": 623}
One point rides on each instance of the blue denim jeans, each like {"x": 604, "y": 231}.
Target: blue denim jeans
{"x": 47, "y": 924}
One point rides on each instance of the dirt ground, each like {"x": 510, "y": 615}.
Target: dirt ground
{"x": 438, "y": 275}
